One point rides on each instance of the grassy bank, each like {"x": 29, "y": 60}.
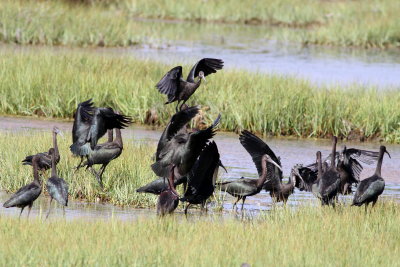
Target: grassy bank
{"x": 121, "y": 178}
{"x": 37, "y": 82}
{"x": 306, "y": 237}
{"x": 369, "y": 23}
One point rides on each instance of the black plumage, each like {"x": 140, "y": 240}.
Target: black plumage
{"x": 371, "y": 188}
{"x": 202, "y": 177}
{"x": 44, "y": 162}
{"x": 329, "y": 183}
{"x": 57, "y": 188}
{"x": 27, "y": 194}
{"x": 177, "y": 89}
{"x": 159, "y": 185}
{"x": 168, "y": 200}
{"x": 182, "y": 151}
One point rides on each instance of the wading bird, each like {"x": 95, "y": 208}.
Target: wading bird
{"x": 202, "y": 177}
{"x": 90, "y": 124}
{"x": 104, "y": 153}
{"x": 27, "y": 194}
{"x": 177, "y": 89}
{"x": 182, "y": 150}
{"x": 329, "y": 183}
{"x": 45, "y": 157}
{"x": 161, "y": 184}
{"x": 257, "y": 148}
{"x": 168, "y": 199}
{"x": 371, "y": 188}
{"x": 57, "y": 188}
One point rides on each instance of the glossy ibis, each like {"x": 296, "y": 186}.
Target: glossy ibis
{"x": 202, "y": 177}
{"x": 329, "y": 183}
{"x": 182, "y": 150}
{"x": 57, "y": 187}
{"x": 371, "y": 188}
{"x": 177, "y": 89}
{"x": 27, "y": 194}
{"x": 168, "y": 200}
{"x": 244, "y": 187}
{"x": 90, "y": 124}
{"x": 104, "y": 153}
{"x": 161, "y": 184}
{"x": 45, "y": 157}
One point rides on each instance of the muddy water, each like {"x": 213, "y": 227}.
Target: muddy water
{"x": 233, "y": 156}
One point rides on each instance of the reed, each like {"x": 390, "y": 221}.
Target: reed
{"x": 307, "y": 236}
{"x": 51, "y": 83}
{"x": 368, "y": 23}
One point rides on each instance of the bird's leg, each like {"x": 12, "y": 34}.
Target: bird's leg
{"x": 234, "y": 204}
{"x": 63, "y": 210}
{"x": 184, "y": 187}
{"x": 366, "y": 207}
{"x": 29, "y": 209}
{"x": 243, "y": 199}
{"x": 186, "y": 209}
{"x": 102, "y": 171}
{"x": 176, "y": 108}
{"x": 22, "y": 209}
{"x": 48, "y": 213}
{"x": 346, "y": 186}
{"x": 79, "y": 165}
{"x": 180, "y": 108}
{"x": 97, "y": 176}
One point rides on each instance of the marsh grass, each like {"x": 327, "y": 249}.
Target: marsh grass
{"x": 52, "y": 83}
{"x": 368, "y": 23}
{"x": 307, "y": 236}
{"x": 121, "y": 178}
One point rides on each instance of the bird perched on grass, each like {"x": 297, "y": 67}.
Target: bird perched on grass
{"x": 371, "y": 188}
{"x": 178, "y": 89}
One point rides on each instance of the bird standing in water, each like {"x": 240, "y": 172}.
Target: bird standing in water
{"x": 168, "y": 199}
{"x": 177, "y": 89}
{"x": 27, "y": 194}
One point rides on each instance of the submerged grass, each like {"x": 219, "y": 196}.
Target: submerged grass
{"x": 303, "y": 237}
{"x": 121, "y": 178}
{"x": 367, "y": 23}
{"x": 52, "y": 83}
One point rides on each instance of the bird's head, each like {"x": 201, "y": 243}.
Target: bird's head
{"x": 202, "y": 76}
{"x": 56, "y": 130}
{"x": 266, "y": 159}
{"x": 51, "y": 151}
{"x": 385, "y": 151}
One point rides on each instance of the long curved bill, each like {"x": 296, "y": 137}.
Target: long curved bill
{"x": 222, "y": 166}
{"x": 276, "y": 164}
{"x": 388, "y": 154}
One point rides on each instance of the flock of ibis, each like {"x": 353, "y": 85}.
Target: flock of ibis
{"x": 190, "y": 157}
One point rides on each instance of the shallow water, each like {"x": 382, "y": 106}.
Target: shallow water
{"x": 233, "y": 156}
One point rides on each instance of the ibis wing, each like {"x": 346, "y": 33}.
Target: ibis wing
{"x": 365, "y": 156}
{"x": 206, "y": 65}
{"x": 169, "y": 84}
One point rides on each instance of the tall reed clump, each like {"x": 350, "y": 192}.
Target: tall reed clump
{"x": 307, "y": 236}
{"x": 52, "y": 83}
{"x": 121, "y": 178}
{"x": 368, "y": 23}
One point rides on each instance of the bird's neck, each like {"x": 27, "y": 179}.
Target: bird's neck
{"x": 263, "y": 177}
{"x": 55, "y": 146}
{"x": 171, "y": 181}
{"x": 118, "y": 138}
{"x": 379, "y": 164}
{"x": 333, "y": 155}
{"x": 36, "y": 178}
{"x": 319, "y": 165}
{"x": 53, "y": 165}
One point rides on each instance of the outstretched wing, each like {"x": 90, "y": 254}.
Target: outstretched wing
{"x": 169, "y": 84}
{"x": 82, "y": 120}
{"x": 206, "y": 65}
{"x": 105, "y": 119}
{"x": 365, "y": 156}
{"x": 177, "y": 122}
{"x": 257, "y": 148}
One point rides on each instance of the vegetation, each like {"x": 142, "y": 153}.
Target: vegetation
{"x": 367, "y": 23}
{"x": 121, "y": 178}
{"x": 51, "y": 84}
{"x": 307, "y": 236}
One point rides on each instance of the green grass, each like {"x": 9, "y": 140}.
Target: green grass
{"x": 366, "y": 23}
{"x": 52, "y": 83}
{"x": 303, "y": 237}
{"x": 121, "y": 178}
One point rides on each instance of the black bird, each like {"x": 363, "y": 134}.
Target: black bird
{"x": 57, "y": 187}
{"x": 168, "y": 199}
{"x": 27, "y": 194}
{"x": 244, "y": 187}
{"x": 45, "y": 157}
{"x": 329, "y": 184}
{"x": 90, "y": 124}
{"x": 104, "y": 153}
{"x": 159, "y": 185}
{"x": 371, "y": 188}
{"x": 257, "y": 148}
{"x": 182, "y": 150}
{"x": 177, "y": 89}
{"x": 202, "y": 177}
